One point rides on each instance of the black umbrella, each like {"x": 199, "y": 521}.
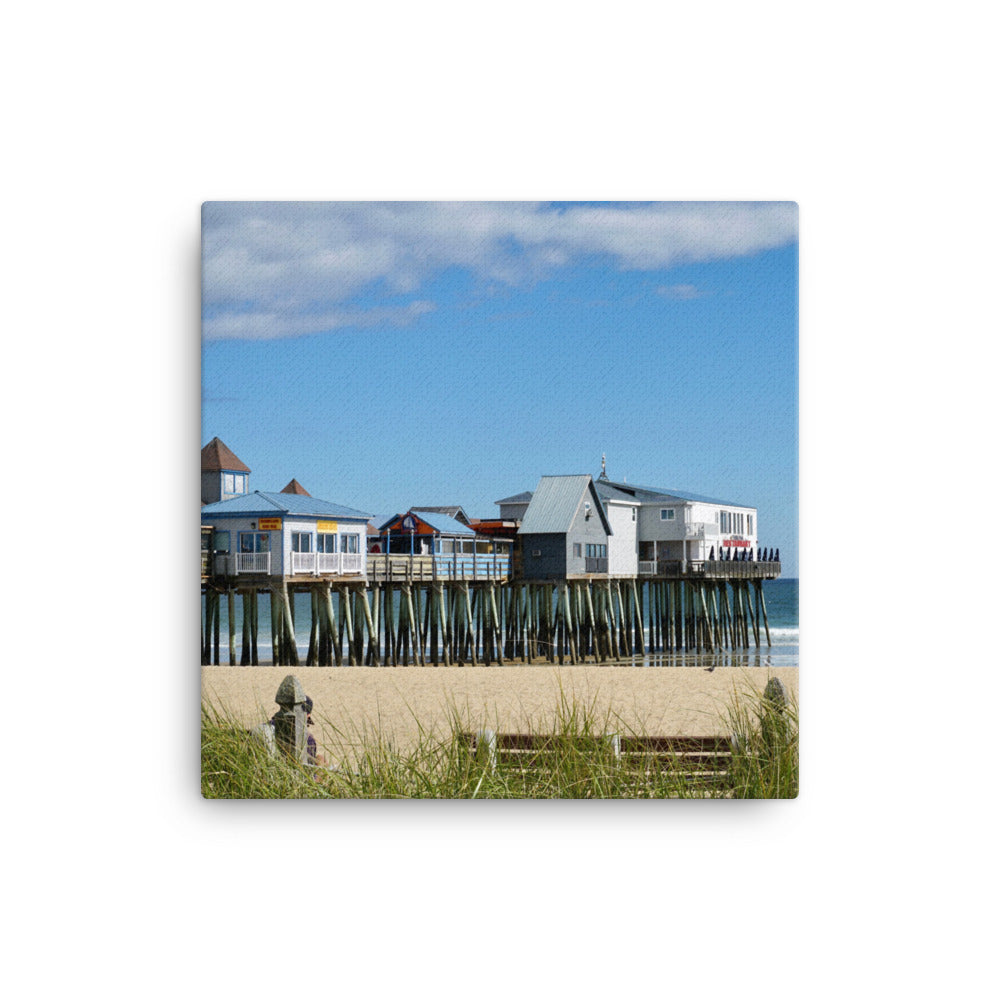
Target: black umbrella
{"x": 777, "y": 555}
{"x": 711, "y": 555}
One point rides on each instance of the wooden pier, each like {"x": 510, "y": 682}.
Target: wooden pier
{"x": 418, "y": 610}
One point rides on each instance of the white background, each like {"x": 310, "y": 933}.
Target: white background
{"x": 878, "y": 119}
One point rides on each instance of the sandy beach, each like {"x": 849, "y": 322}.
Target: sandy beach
{"x": 399, "y": 702}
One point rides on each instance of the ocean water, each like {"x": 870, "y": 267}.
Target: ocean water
{"x": 781, "y": 598}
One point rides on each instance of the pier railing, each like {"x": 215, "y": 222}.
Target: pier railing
{"x": 383, "y": 568}
{"x": 327, "y": 563}
{"x": 232, "y": 564}
{"x": 717, "y": 569}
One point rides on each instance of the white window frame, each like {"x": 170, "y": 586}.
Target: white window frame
{"x": 296, "y": 540}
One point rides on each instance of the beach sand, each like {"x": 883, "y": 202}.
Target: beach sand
{"x": 397, "y": 702}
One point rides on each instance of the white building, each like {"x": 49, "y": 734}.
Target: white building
{"x": 656, "y": 531}
{"x": 287, "y": 534}
{"x": 686, "y": 527}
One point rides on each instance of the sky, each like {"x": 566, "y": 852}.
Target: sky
{"x": 390, "y": 355}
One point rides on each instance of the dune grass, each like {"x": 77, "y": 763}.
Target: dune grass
{"x": 578, "y": 761}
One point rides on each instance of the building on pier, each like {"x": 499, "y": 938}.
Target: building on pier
{"x": 223, "y": 475}
{"x": 565, "y": 532}
{"x": 651, "y": 531}
{"x": 443, "y": 544}
{"x": 514, "y": 508}
{"x": 685, "y": 528}
{"x": 274, "y": 536}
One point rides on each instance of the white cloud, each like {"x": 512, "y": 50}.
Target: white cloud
{"x": 285, "y": 269}
{"x": 275, "y": 324}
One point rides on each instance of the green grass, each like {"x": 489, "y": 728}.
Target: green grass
{"x": 578, "y": 761}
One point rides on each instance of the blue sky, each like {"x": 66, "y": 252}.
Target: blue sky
{"x": 389, "y": 355}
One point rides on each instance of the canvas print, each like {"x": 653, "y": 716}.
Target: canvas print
{"x": 499, "y": 500}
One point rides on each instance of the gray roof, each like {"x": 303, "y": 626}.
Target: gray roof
{"x": 516, "y": 498}
{"x": 555, "y": 503}
{"x": 654, "y": 493}
{"x": 607, "y": 491}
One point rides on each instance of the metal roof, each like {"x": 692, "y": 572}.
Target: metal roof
{"x": 653, "y": 493}
{"x": 555, "y": 502}
{"x": 454, "y": 510}
{"x": 441, "y": 523}
{"x": 281, "y": 503}
{"x": 517, "y": 498}
{"x": 606, "y": 491}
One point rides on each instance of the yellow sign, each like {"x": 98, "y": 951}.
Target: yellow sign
{"x": 326, "y": 525}
{"x": 269, "y": 524}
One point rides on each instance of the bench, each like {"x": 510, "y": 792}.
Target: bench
{"x": 702, "y": 762}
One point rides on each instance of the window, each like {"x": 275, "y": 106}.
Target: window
{"x": 667, "y": 514}
{"x": 255, "y": 541}
{"x": 597, "y": 551}
{"x": 326, "y": 542}
{"x": 577, "y": 550}
{"x": 228, "y": 486}
{"x": 239, "y": 484}
{"x": 301, "y": 541}
{"x": 349, "y": 543}
{"x": 220, "y": 541}
{"x": 749, "y": 524}
{"x": 633, "y": 513}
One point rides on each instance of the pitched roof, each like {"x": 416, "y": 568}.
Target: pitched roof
{"x": 272, "y": 504}
{"x": 439, "y": 522}
{"x": 654, "y": 493}
{"x": 296, "y": 487}
{"x": 216, "y": 457}
{"x": 454, "y": 511}
{"x": 555, "y": 503}
{"x": 606, "y": 491}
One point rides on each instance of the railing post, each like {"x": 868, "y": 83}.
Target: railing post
{"x": 486, "y": 747}
{"x": 290, "y": 721}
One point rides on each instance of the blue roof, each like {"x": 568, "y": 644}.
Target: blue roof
{"x": 281, "y": 503}
{"x": 441, "y": 523}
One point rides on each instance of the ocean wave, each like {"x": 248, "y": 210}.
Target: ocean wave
{"x": 784, "y": 632}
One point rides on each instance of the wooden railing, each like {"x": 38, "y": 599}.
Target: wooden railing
{"x": 721, "y": 569}
{"x": 439, "y": 567}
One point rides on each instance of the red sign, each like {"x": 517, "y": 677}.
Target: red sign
{"x": 738, "y": 543}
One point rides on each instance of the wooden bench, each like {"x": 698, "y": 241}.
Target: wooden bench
{"x": 702, "y": 762}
